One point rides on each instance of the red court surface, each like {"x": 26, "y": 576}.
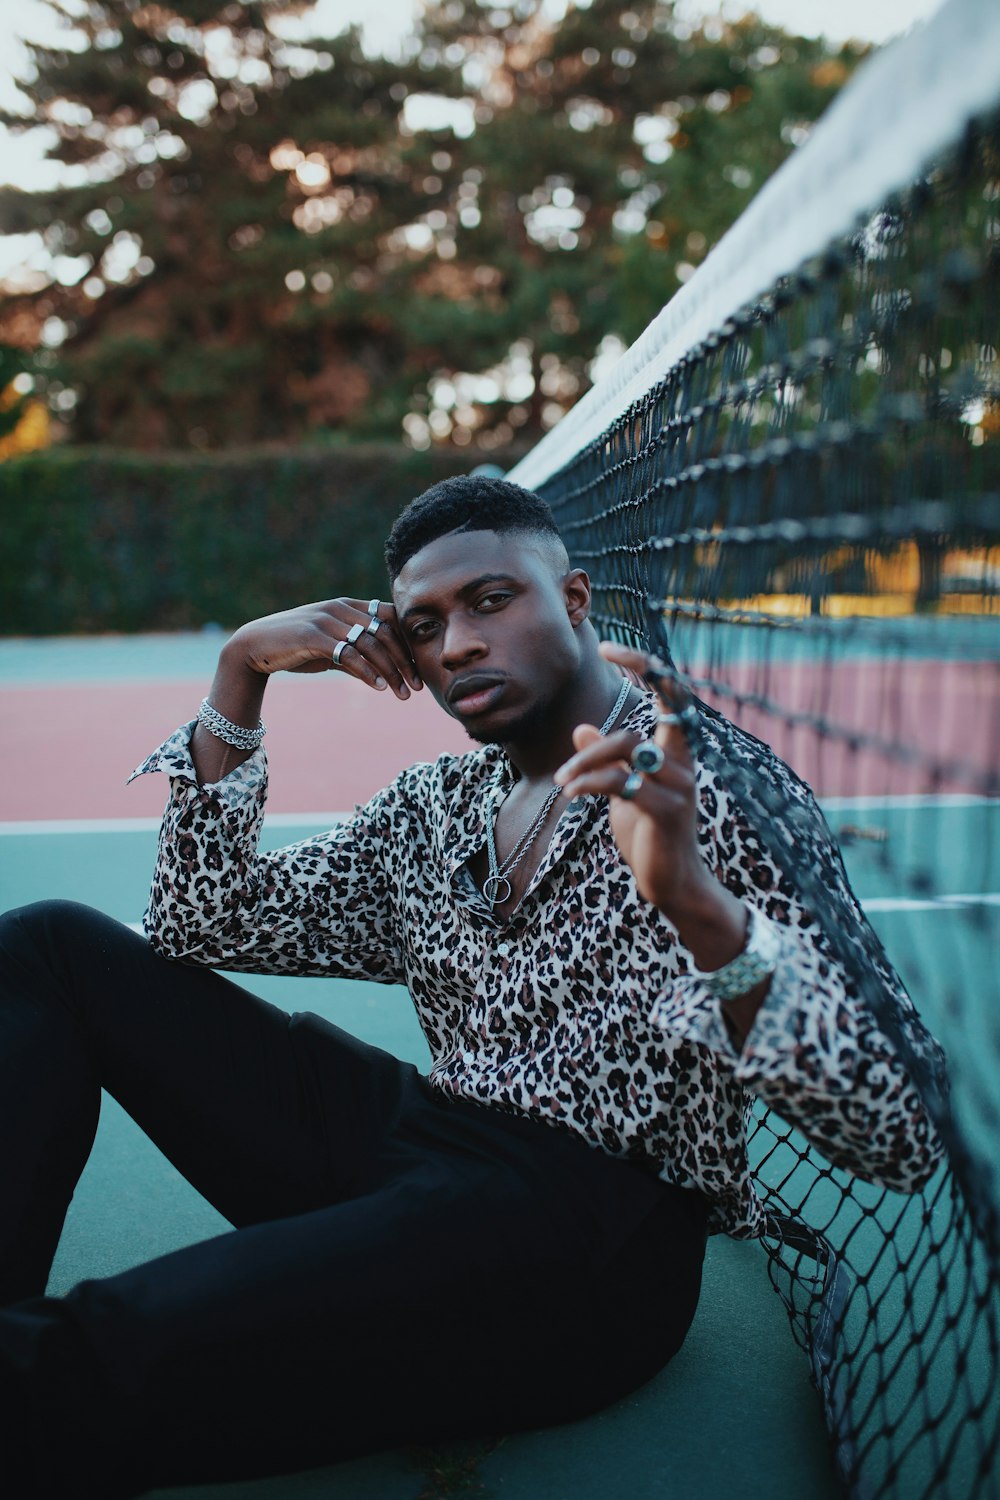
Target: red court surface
{"x": 886, "y": 727}
{"x": 66, "y": 749}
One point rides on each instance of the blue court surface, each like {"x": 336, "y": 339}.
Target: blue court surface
{"x": 734, "y": 1413}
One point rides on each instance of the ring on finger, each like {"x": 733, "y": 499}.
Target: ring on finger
{"x": 337, "y": 652}
{"x": 354, "y": 634}
{"x": 668, "y": 720}
{"x": 633, "y": 781}
{"x": 647, "y": 757}
{"x": 373, "y": 625}
{"x": 373, "y": 607}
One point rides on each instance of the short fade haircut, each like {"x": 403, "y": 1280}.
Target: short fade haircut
{"x": 466, "y": 502}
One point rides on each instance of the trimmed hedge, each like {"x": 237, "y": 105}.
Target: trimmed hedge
{"x": 97, "y": 539}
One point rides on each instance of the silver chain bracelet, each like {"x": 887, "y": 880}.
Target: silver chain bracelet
{"x": 225, "y": 729}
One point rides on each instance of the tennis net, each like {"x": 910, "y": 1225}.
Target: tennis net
{"x": 795, "y": 473}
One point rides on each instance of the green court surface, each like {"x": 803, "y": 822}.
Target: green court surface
{"x": 735, "y": 1411}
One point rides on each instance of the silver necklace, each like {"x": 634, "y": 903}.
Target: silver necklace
{"x": 497, "y": 887}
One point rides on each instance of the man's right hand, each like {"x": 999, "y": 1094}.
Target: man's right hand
{"x": 305, "y": 640}
{"x": 300, "y": 640}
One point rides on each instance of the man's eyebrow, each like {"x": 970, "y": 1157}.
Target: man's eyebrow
{"x": 467, "y": 588}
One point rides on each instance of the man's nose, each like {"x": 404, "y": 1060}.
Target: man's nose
{"x": 463, "y": 641}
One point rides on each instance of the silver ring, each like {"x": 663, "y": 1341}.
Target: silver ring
{"x": 647, "y": 757}
{"x": 669, "y": 719}
{"x": 337, "y": 650}
{"x": 373, "y": 606}
{"x": 373, "y": 625}
{"x": 633, "y": 781}
{"x": 354, "y": 634}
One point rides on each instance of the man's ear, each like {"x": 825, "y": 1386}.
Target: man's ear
{"x": 576, "y": 592}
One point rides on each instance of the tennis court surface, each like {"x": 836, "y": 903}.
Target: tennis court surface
{"x": 735, "y": 1409}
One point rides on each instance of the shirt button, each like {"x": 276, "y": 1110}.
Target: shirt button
{"x": 503, "y": 949}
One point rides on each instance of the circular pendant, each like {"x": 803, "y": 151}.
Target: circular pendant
{"x": 497, "y": 889}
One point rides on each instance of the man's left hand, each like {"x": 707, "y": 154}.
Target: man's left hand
{"x": 655, "y": 828}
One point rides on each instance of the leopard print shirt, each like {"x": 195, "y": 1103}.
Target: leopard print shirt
{"x": 580, "y": 1009}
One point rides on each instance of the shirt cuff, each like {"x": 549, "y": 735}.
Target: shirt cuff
{"x": 692, "y": 1011}
{"x": 245, "y": 785}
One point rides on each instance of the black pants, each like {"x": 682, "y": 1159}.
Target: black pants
{"x": 403, "y": 1267}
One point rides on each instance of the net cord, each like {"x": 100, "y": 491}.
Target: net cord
{"x": 904, "y": 107}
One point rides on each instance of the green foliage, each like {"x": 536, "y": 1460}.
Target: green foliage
{"x": 273, "y": 252}
{"x": 12, "y": 363}
{"x": 98, "y": 539}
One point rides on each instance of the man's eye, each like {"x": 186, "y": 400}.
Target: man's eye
{"x": 492, "y": 601}
{"x": 421, "y": 631}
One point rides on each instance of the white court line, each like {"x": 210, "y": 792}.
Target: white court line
{"x": 151, "y": 825}
{"x": 322, "y": 820}
{"x": 907, "y": 800}
{"x": 118, "y": 825}
{"x": 83, "y": 825}
{"x": 944, "y": 800}
{"x": 874, "y": 903}
{"x": 931, "y": 903}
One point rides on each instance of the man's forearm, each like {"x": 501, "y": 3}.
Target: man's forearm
{"x": 712, "y": 925}
{"x": 348, "y": 635}
{"x": 237, "y": 692}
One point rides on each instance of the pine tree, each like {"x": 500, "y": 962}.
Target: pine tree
{"x": 611, "y": 152}
{"x": 229, "y": 200}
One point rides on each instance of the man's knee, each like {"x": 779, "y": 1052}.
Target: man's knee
{"x": 52, "y": 912}
{"x": 51, "y": 932}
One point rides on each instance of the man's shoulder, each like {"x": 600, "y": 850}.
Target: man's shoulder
{"x": 748, "y": 758}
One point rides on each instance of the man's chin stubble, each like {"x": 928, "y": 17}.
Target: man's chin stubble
{"x": 531, "y": 725}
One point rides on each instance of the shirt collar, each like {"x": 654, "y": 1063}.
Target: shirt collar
{"x": 488, "y": 776}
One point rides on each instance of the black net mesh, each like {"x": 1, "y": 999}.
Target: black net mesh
{"x": 810, "y": 503}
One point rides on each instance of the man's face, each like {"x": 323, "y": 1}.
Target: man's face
{"x": 491, "y": 622}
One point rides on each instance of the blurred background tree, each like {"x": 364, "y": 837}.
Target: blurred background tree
{"x": 221, "y": 233}
{"x": 260, "y": 239}
{"x": 24, "y": 420}
{"x": 13, "y": 390}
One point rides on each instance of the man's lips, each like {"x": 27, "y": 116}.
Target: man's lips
{"x": 474, "y": 695}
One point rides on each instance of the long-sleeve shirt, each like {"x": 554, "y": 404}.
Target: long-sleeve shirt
{"x": 581, "y": 1009}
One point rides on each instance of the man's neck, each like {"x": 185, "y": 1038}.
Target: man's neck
{"x": 538, "y": 754}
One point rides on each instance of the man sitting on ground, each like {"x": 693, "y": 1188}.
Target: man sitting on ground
{"x": 606, "y": 963}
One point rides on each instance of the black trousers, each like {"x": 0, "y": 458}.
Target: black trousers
{"x": 403, "y": 1267}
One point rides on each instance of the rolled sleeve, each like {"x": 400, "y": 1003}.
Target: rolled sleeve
{"x": 815, "y": 1051}
{"x": 238, "y": 799}
{"x": 321, "y": 906}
